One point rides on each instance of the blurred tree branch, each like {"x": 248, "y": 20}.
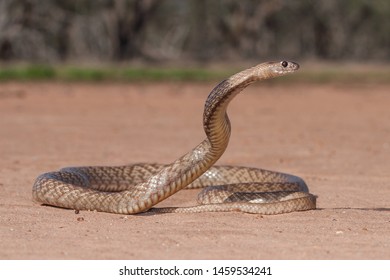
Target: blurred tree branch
{"x": 117, "y": 30}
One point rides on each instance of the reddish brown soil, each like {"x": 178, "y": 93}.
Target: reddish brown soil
{"x": 337, "y": 137}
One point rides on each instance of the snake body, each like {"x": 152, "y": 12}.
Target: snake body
{"x": 137, "y": 188}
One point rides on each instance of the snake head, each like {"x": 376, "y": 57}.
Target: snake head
{"x": 283, "y": 67}
{"x": 272, "y": 69}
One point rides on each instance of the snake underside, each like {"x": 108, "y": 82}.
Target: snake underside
{"x": 137, "y": 188}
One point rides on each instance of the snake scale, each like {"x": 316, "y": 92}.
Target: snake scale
{"x": 137, "y": 188}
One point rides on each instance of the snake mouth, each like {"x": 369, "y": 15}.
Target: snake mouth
{"x": 292, "y": 65}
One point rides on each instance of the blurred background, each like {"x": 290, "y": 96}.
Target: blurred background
{"x": 113, "y": 82}
{"x": 192, "y": 32}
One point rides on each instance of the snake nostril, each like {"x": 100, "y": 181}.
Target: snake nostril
{"x": 284, "y": 63}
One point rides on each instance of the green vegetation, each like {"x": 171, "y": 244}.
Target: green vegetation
{"x": 88, "y": 74}
{"x": 33, "y": 72}
{"x": 341, "y": 75}
{"x": 150, "y": 74}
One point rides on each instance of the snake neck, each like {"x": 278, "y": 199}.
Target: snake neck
{"x": 216, "y": 122}
{"x": 215, "y": 119}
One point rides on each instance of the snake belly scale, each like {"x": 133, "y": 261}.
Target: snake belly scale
{"x": 137, "y": 188}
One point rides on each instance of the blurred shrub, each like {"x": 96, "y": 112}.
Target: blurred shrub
{"x": 202, "y": 30}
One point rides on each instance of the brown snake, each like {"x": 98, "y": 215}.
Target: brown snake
{"x": 136, "y": 188}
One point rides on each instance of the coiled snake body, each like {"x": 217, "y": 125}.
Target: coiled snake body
{"x": 136, "y": 188}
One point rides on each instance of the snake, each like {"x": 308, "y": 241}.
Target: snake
{"x": 136, "y": 188}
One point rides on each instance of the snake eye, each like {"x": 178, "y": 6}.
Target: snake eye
{"x": 284, "y": 63}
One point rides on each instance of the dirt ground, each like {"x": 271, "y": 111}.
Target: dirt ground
{"x": 337, "y": 137}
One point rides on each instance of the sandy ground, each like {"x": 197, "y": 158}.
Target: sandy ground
{"x": 337, "y": 137}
